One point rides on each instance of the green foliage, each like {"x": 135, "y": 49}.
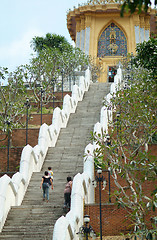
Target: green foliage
{"x": 49, "y": 67}
{"x": 49, "y": 41}
{"x": 154, "y": 138}
{"x": 146, "y": 56}
{"x": 132, "y": 6}
{"x": 12, "y": 98}
{"x": 127, "y": 6}
{"x": 131, "y": 131}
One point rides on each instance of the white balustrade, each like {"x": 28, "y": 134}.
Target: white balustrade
{"x": 83, "y": 190}
{"x": 12, "y": 190}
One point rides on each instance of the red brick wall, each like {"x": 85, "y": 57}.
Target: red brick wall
{"x": 58, "y": 95}
{"x": 153, "y": 24}
{"x": 57, "y": 100}
{"x": 18, "y": 138}
{"x": 114, "y": 220}
{"x": 148, "y": 186}
{"x": 18, "y": 141}
{"x": 14, "y": 159}
{"x": 35, "y": 119}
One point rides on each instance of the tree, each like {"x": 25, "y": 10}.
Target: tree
{"x": 134, "y": 5}
{"x": 70, "y": 58}
{"x": 128, "y": 5}
{"x": 134, "y": 124}
{"x": 49, "y": 41}
{"x": 12, "y": 99}
{"x": 49, "y": 67}
{"x": 41, "y": 73}
{"x": 146, "y": 56}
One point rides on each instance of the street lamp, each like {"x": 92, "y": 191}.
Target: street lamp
{"x": 53, "y": 84}
{"x": 118, "y": 115}
{"x": 108, "y": 143}
{"x": 86, "y": 230}
{"x": 74, "y": 77}
{"x": 8, "y": 152}
{"x": 62, "y": 82}
{"x": 41, "y": 94}
{"x": 100, "y": 179}
{"x": 27, "y": 104}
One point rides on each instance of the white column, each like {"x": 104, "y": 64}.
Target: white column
{"x": 87, "y": 40}
{"x": 142, "y": 34}
{"x": 82, "y": 39}
{"x": 137, "y": 34}
{"x": 78, "y": 40}
{"x": 147, "y": 34}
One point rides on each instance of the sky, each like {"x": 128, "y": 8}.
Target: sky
{"x": 21, "y": 20}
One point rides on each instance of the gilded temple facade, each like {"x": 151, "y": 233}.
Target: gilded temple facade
{"x": 99, "y": 31}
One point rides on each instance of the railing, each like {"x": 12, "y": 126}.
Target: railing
{"x": 67, "y": 227}
{"x": 12, "y": 190}
{"x": 83, "y": 191}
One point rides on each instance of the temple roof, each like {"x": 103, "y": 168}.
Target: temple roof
{"x": 92, "y": 7}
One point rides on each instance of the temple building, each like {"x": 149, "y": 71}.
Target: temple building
{"x": 98, "y": 29}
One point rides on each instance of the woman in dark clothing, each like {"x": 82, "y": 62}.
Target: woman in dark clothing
{"x": 45, "y": 184}
{"x": 67, "y": 193}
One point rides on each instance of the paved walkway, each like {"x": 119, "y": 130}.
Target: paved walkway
{"x": 35, "y": 219}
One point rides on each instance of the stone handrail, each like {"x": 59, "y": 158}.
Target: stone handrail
{"x": 12, "y": 190}
{"x": 83, "y": 191}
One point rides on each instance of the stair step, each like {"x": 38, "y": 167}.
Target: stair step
{"x": 35, "y": 219}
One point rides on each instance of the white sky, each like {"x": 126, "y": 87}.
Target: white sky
{"x": 21, "y": 20}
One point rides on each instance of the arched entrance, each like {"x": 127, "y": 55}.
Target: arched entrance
{"x": 112, "y": 42}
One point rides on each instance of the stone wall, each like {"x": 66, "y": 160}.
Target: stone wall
{"x": 18, "y": 141}
{"x": 14, "y": 160}
{"x": 114, "y": 220}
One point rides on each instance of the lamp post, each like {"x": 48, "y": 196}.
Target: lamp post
{"x": 8, "y": 155}
{"x": 27, "y": 104}
{"x": 100, "y": 179}
{"x": 53, "y": 83}
{"x": 62, "y": 83}
{"x": 41, "y": 98}
{"x": 86, "y": 230}
{"x": 118, "y": 115}
{"x": 108, "y": 143}
{"x": 74, "y": 77}
{"x": 109, "y": 183}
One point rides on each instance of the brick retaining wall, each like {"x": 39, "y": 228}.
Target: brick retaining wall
{"x": 114, "y": 220}
{"x": 14, "y": 159}
{"x": 18, "y": 138}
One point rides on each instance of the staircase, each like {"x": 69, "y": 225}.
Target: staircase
{"x": 35, "y": 219}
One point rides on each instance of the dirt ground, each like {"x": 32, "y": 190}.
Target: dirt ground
{"x": 112, "y": 238}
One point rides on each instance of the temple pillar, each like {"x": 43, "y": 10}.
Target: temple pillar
{"x": 78, "y": 34}
{"x": 142, "y": 29}
{"x": 82, "y": 33}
